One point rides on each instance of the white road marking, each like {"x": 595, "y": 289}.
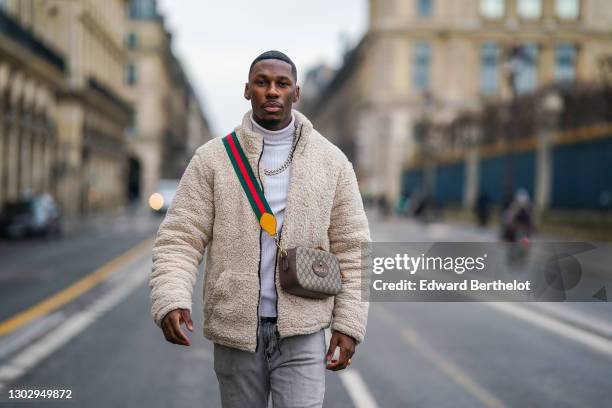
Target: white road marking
{"x": 47, "y": 345}
{"x": 202, "y": 354}
{"x": 357, "y": 388}
{"x": 565, "y": 313}
{"x": 29, "y": 333}
{"x": 578, "y": 335}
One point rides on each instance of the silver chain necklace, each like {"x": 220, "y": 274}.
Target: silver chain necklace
{"x": 287, "y": 161}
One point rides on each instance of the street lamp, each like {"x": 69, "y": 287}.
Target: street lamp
{"x": 514, "y": 56}
{"x": 605, "y": 69}
{"x": 550, "y": 108}
{"x": 424, "y": 136}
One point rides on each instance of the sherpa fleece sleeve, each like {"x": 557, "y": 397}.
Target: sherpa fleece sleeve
{"x": 348, "y": 230}
{"x": 181, "y": 240}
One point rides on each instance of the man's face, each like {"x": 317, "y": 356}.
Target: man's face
{"x": 272, "y": 91}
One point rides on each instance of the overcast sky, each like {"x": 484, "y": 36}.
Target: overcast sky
{"x": 216, "y": 41}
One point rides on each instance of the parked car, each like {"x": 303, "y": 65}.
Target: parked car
{"x": 161, "y": 199}
{"x": 36, "y": 216}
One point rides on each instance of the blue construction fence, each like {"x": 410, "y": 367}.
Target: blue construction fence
{"x": 581, "y": 177}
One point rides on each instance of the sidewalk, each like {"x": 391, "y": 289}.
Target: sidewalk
{"x": 462, "y": 225}
{"x": 549, "y": 228}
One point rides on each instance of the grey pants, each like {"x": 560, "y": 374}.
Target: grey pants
{"x": 292, "y": 370}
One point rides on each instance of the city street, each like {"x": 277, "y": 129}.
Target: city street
{"x": 101, "y": 343}
{"x": 442, "y": 115}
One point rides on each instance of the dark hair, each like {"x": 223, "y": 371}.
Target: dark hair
{"x": 277, "y": 55}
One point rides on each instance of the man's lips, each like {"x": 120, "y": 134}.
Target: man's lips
{"x": 272, "y": 107}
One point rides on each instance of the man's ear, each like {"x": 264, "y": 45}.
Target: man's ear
{"x": 296, "y": 96}
{"x": 247, "y": 92}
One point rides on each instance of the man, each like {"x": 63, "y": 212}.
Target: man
{"x": 265, "y": 339}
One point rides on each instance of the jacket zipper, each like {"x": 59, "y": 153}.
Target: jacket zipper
{"x": 259, "y": 267}
{"x": 280, "y": 237}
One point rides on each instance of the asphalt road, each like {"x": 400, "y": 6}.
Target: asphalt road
{"x": 414, "y": 355}
{"x": 33, "y": 269}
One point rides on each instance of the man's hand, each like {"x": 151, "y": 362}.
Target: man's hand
{"x": 171, "y": 326}
{"x": 347, "y": 349}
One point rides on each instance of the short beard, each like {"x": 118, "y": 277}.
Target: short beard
{"x": 269, "y": 124}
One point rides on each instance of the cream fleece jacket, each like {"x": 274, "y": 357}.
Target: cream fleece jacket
{"x": 211, "y": 212}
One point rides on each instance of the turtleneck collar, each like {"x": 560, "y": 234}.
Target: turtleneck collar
{"x": 252, "y": 142}
{"x": 275, "y": 137}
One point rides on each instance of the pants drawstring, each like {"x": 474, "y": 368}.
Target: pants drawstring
{"x": 278, "y": 340}
{"x": 271, "y": 337}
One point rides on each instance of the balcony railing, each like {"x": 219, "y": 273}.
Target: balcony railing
{"x": 110, "y": 95}
{"x": 13, "y": 30}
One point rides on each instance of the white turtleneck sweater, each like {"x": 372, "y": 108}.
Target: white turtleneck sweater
{"x": 276, "y": 147}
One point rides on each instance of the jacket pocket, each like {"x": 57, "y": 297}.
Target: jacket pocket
{"x": 233, "y": 303}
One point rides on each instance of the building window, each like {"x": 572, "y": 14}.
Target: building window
{"x": 567, "y": 9}
{"x": 132, "y": 41}
{"x": 527, "y": 70}
{"x": 492, "y": 8}
{"x": 142, "y": 10}
{"x": 529, "y": 9}
{"x": 565, "y": 63}
{"x": 131, "y": 74}
{"x": 424, "y": 7}
{"x": 490, "y": 69}
{"x": 421, "y": 66}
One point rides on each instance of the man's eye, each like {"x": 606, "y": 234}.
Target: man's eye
{"x": 284, "y": 84}
{"x": 260, "y": 82}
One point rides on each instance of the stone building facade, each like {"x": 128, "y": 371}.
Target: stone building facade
{"x": 169, "y": 123}
{"x": 429, "y": 59}
{"x": 31, "y": 74}
{"x": 90, "y": 113}
{"x": 94, "y": 106}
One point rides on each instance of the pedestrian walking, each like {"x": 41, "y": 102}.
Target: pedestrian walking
{"x": 273, "y": 184}
{"x": 483, "y": 209}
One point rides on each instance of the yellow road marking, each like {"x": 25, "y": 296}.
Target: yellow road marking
{"x": 451, "y": 370}
{"x": 71, "y": 292}
{"x": 459, "y": 376}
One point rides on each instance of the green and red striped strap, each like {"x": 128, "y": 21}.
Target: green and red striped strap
{"x": 251, "y": 188}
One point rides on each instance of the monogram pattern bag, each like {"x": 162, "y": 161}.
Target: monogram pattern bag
{"x": 310, "y": 272}
{"x": 306, "y": 272}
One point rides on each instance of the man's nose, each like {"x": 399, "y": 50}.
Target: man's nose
{"x": 272, "y": 92}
